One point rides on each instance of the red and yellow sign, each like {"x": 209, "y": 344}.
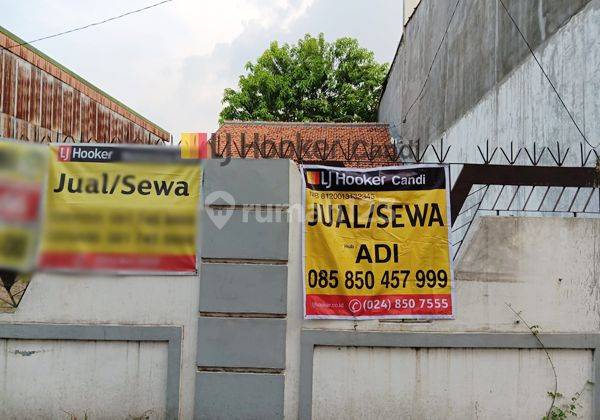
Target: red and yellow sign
{"x": 120, "y": 209}
{"x": 376, "y": 243}
{"x": 194, "y": 146}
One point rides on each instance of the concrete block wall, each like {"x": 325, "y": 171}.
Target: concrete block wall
{"x": 546, "y": 268}
{"x": 232, "y": 343}
{"x": 211, "y": 345}
{"x": 485, "y": 362}
{"x": 485, "y": 85}
{"x": 308, "y": 368}
{"x": 243, "y": 290}
{"x": 522, "y": 108}
{"x": 100, "y": 345}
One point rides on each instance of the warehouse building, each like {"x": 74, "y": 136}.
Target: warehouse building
{"x": 43, "y": 101}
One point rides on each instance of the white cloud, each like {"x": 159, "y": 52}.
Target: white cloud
{"x": 171, "y": 63}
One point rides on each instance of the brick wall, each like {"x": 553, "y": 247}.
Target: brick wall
{"x": 339, "y": 144}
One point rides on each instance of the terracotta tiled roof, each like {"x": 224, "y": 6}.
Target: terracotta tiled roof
{"x": 339, "y": 144}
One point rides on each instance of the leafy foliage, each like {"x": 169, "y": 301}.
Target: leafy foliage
{"x": 313, "y": 80}
{"x": 567, "y": 409}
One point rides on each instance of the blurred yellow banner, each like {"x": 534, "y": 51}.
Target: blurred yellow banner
{"x": 22, "y": 171}
{"x": 123, "y": 209}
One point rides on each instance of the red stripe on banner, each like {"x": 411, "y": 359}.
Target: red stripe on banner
{"x": 19, "y": 203}
{"x": 357, "y": 306}
{"x": 106, "y": 261}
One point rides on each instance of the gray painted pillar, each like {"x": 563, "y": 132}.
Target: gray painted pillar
{"x": 243, "y": 290}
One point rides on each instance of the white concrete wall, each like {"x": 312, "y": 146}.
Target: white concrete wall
{"x": 120, "y": 371}
{"x": 547, "y": 268}
{"x": 524, "y": 109}
{"x": 294, "y": 300}
{"x": 485, "y": 84}
{"x": 100, "y": 379}
{"x": 376, "y": 383}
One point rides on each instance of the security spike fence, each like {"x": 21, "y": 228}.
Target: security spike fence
{"x": 59, "y": 138}
{"x": 564, "y": 184}
{"x": 533, "y": 180}
{"x": 396, "y": 152}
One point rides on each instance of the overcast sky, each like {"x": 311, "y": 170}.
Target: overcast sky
{"x": 171, "y": 63}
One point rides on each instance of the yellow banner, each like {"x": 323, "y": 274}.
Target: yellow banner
{"x": 22, "y": 171}
{"x": 123, "y": 209}
{"x": 376, "y": 243}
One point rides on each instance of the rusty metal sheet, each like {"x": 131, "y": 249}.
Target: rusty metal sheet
{"x": 48, "y": 109}
{"x": 67, "y": 110}
{"x": 115, "y": 120}
{"x": 112, "y": 127}
{"x": 2, "y": 53}
{"x": 31, "y": 131}
{"x": 46, "y": 103}
{"x": 84, "y": 110}
{"x": 121, "y": 128}
{"x": 89, "y": 115}
{"x": 3, "y": 125}
{"x": 56, "y": 105}
{"x": 130, "y": 131}
{"x": 23, "y": 85}
{"x": 76, "y": 128}
{"x": 8, "y": 97}
{"x": 102, "y": 132}
{"x": 125, "y": 130}
{"x": 22, "y": 129}
{"x": 35, "y": 97}
{"x": 44, "y": 135}
{"x": 138, "y": 133}
{"x": 143, "y": 138}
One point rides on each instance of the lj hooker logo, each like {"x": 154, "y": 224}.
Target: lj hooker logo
{"x": 313, "y": 177}
{"x": 85, "y": 154}
{"x": 64, "y": 153}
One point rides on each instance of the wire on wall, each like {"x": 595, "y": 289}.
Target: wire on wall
{"x": 546, "y": 75}
{"x": 432, "y": 63}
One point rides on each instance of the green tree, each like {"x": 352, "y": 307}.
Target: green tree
{"x": 313, "y": 80}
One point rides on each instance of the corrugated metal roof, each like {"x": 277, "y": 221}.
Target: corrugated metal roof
{"x": 164, "y": 134}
